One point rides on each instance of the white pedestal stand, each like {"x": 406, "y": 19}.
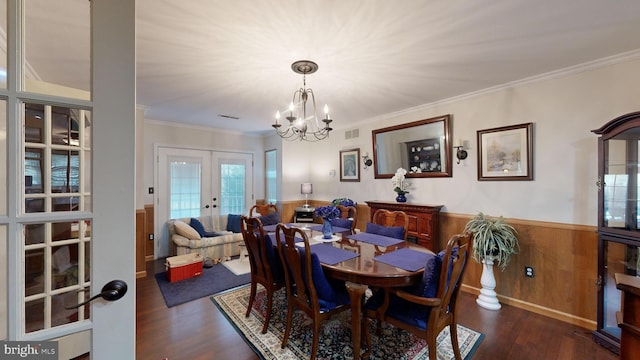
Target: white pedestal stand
{"x": 487, "y": 298}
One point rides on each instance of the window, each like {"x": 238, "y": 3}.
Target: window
{"x": 271, "y": 176}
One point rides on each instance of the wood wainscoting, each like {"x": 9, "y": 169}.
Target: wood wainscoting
{"x": 141, "y": 263}
{"x": 565, "y": 262}
{"x": 564, "y": 258}
{"x": 149, "y": 229}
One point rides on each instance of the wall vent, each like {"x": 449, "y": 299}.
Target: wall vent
{"x": 351, "y": 134}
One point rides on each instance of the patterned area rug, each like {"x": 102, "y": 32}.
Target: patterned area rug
{"x": 335, "y": 338}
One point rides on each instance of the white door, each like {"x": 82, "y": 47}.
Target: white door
{"x": 68, "y": 216}
{"x": 194, "y": 183}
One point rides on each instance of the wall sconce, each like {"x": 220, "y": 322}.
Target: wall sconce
{"x": 461, "y": 153}
{"x": 366, "y": 160}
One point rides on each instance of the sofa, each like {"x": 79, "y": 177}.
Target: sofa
{"x": 215, "y": 237}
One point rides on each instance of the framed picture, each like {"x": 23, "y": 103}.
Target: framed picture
{"x": 506, "y": 153}
{"x": 349, "y": 169}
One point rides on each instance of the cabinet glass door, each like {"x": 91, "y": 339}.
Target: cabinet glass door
{"x": 620, "y": 195}
{"x": 619, "y": 258}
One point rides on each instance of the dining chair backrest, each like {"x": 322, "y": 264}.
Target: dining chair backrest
{"x": 262, "y": 209}
{"x": 454, "y": 262}
{"x": 424, "y": 316}
{"x": 266, "y": 267}
{"x": 348, "y": 218}
{"x": 297, "y": 266}
{"x": 389, "y": 218}
{"x": 307, "y": 287}
{"x": 263, "y": 258}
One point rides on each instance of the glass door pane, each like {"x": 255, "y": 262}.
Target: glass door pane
{"x": 185, "y": 188}
{"x": 621, "y": 183}
{"x": 232, "y": 189}
{"x": 624, "y": 259}
{"x": 232, "y": 182}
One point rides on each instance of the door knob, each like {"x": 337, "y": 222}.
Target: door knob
{"x": 206, "y": 206}
{"x": 214, "y": 199}
{"x": 111, "y": 291}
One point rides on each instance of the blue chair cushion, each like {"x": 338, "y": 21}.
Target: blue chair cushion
{"x": 400, "y": 309}
{"x": 340, "y": 222}
{"x": 197, "y": 225}
{"x": 270, "y": 219}
{"x": 396, "y": 232}
{"x": 330, "y": 293}
{"x": 233, "y": 223}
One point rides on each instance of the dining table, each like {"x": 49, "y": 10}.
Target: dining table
{"x": 365, "y": 260}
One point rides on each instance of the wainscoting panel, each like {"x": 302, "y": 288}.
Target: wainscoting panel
{"x": 141, "y": 266}
{"x": 149, "y": 229}
{"x": 565, "y": 262}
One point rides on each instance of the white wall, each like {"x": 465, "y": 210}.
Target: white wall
{"x": 162, "y": 133}
{"x": 564, "y": 109}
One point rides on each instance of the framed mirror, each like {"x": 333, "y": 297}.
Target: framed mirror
{"x": 421, "y": 147}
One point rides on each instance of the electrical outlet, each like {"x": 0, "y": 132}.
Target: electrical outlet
{"x": 151, "y": 190}
{"x": 528, "y": 271}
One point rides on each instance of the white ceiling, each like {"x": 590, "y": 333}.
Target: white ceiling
{"x": 199, "y": 59}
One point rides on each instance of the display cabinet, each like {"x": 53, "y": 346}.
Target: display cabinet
{"x": 618, "y": 219}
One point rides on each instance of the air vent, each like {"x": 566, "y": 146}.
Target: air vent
{"x": 228, "y": 116}
{"x": 352, "y": 134}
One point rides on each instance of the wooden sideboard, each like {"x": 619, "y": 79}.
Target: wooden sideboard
{"x": 630, "y": 320}
{"x": 424, "y": 221}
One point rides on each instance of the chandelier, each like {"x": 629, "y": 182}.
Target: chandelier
{"x": 303, "y": 126}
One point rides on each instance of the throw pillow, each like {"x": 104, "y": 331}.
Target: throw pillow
{"x": 428, "y": 286}
{"x": 185, "y": 230}
{"x": 396, "y": 232}
{"x": 270, "y": 219}
{"x": 233, "y": 223}
{"x": 197, "y": 225}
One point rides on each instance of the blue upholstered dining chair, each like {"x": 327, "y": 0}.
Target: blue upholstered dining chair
{"x": 348, "y": 218}
{"x": 429, "y": 307}
{"x": 266, "y": 267}
{"x": 389, "y": 223}
{"x": 307, "y": 287}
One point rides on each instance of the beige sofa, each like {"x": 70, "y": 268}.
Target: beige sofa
{"x": 186, "y": 240}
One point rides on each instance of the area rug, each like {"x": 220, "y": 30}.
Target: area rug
{"x": 237, "y": 266}
{"x": 335, "y": 338}
{"x": 212, "y": 281}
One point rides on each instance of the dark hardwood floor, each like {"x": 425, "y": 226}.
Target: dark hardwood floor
{"x": 197, "y": 330}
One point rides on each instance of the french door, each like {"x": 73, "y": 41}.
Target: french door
{"x": 65, "y": 184}
{"x": 194, "y": 183}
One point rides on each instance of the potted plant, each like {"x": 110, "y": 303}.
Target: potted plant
{"x": 493, "y": 241}
{"x": 400, "y": 185}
